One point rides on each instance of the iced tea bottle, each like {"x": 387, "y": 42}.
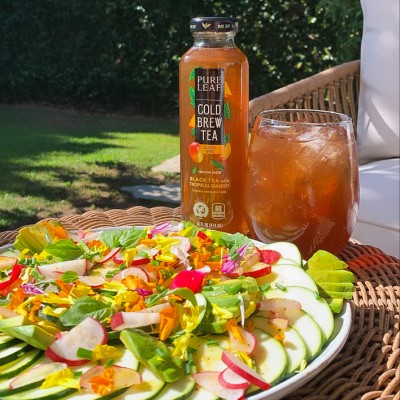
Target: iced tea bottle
{"x": 213, "y": 108}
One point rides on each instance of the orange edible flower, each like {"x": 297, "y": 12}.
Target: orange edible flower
{"x": 280, "y": 337}
{"x": 56, "y": 230}
{"x": 168, "y": 321}
{"x": 233, "y": 327}
{"x": 37, "y": 304}
{"x": 133, "y": 282}
{"x": 104, "y": 383}
{"x": 17, "y": 298}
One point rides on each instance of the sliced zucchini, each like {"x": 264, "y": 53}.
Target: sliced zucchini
{"x": 201, "y": 394}
{"x": 208, "y": 352}
{"x": 310, "y": 302}
{"x": 13, "y": 353}
{"x": 179, "y": 390}
{"x": 292, "y": 343}
{"x": 53, "y": 393}
{"x": 10, "y": 392}
{"x": 290, "y": 254}
{"x": 15, "y": 367}
{"x": 270, "y": 357}
{"x": 288, "y": 275}
{"x": 150, "y": 387}
{"x": 7, "y": 341}
{"x": 309, "y": 331}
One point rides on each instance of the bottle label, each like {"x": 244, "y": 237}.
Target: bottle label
{"x": 210, "y": 176}
{"x": 209, "y": 108}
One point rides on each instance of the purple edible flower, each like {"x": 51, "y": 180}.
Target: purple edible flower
{"x": 166, "y": 227}
{"x": 28, "y": 288}
{"x": 230, "y": 265}
{"x": 144, "y": 292}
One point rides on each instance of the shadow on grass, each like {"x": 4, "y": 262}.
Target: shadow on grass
{"x": 34, "y": 184}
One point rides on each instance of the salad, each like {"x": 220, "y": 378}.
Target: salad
{"x": 170, "y": 311}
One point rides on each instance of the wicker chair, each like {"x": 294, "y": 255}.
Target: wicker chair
{"x": 335, "y": 89}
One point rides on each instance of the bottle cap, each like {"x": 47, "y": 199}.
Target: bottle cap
{"x": 214, "y": 24}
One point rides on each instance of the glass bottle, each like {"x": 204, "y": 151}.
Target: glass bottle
{"x": 213, "y": 109}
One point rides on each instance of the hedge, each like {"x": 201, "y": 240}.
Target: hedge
{"x": 124, "y": 55}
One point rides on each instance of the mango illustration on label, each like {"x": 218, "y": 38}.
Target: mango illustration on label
{"x": 210, "y": 109}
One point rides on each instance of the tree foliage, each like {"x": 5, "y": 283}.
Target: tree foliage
{"x": 124, "y": 54}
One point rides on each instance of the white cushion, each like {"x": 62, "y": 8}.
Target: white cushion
{"x": 378, "y": 218}
{"x": 378, "y": 115}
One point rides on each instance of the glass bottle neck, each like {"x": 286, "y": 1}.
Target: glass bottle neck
{"x": 213, "y": 39}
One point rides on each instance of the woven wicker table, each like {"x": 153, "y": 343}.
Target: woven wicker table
{"x": 368, "y": 367}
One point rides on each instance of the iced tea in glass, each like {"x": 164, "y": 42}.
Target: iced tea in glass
{"x": 302, "y": 179}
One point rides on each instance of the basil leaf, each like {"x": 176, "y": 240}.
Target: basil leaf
{"x": 86, "y": 307}
{"x": 69, "y": 276}
{"x": 120, "y": 238}
{"x": 64, "y": 249}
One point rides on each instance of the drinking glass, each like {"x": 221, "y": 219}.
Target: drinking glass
{"x": 302, "y": 179}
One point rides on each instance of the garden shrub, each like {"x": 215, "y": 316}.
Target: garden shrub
{"x": 124, "y": 54}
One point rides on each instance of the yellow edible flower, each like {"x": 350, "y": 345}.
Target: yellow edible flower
{"x": 65, "y": 377}
{"x": 114, "y": 285}
{"x": 103, "y": 351}
{"x": 188, "y": 316}
{"x": 129, "y": 255}
{"x": 54, "y": 312}
{"x": 181, "y": 344}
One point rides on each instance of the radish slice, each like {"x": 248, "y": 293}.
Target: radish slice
{"x": 243, "y": 370}
{"x": 150, "y": 251}
{"x": 139, "y": 260}
{"x": 119, "y": 258}
{"x": 136, "y": 319}
{"x": 250, "y": 259}
{"x": 36, "y": 374}
{"x": 87, "y": 335}
{"x": 257, "y": 270}
{"x": 209, "y": 381}
{"x": 110, "y": 255}
{"x": 123, "y": 377}
{"x": 231, "y": 380}
{"x": 123, "y": 319}
{"x": 250, "y": 341}
{"x": 136, "y": 271}
{"x": 7, "y": 262}
{"x": 183, "y": 243}
{"x": 54, "y": 271}
{"x": 92, "y": 281}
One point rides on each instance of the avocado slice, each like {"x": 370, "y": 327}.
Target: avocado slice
{"x": 226, "y": 300}
{"x": 338, "y": 276}
{"x": 23, "y": 329}
{"x": 336, "y": 305}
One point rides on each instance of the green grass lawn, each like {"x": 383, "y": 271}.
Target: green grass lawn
{"x": 55, "y": 162}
